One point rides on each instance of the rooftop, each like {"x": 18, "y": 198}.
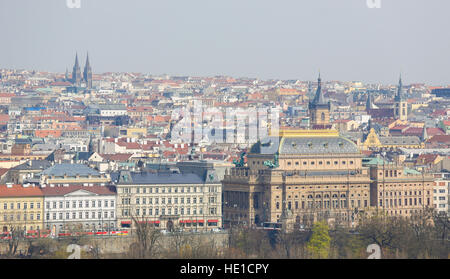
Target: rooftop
{"x": 70, "y": 170}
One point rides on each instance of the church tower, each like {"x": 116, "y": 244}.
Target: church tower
{"x": 400, "y": 105}
{"x": 87, "y": 74}
{"x": 76, "y": 73}
{"x": 319, "y": 109}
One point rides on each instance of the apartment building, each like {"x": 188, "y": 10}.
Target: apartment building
{"x": 21, "y": 207}
{"x": 78, "y": 207}
{"x": 441, "y": 193}
{"x": 169, "y": 200}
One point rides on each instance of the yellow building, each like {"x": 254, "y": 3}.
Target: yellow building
{"x": 133, "y": 132}
{"x": 296, "y": 178}
{"x": 374, "y": 141}
{"x": 399, "y": 191}
{"x": 21, "y": 207}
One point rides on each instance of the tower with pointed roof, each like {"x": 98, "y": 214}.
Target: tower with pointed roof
{"x": 424, "y": 136}
{"x": 369, "y": 103}
{"x": 319, "y": 109}
{"x": 87, "y": 74}
{"x": 76, "y": 73}
{"x": 400, "y": 105}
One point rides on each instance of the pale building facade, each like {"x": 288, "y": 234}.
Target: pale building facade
{"x": 79, "y": 208}
{"x": 169, "y": 200}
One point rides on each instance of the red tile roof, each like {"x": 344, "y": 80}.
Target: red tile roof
{"x": 116, "y": 157}
{"x": 441, "y": 139}
{"x": 18, "y": 190}
{"x": 3, "y": 171}
{"x": 427, "y": 158}
{"x": 435, "y": 131}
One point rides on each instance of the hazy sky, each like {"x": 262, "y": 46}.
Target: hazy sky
{"x": 285, "y": 39}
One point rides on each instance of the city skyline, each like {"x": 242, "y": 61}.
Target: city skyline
{"x": 264, "y": 40}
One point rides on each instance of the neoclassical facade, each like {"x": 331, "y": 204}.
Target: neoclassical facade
{"x": 297, "y": 178}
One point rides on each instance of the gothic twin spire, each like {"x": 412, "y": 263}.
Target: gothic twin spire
{"x": 87, "y": 73}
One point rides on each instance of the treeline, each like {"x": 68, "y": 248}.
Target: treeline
{"x": 420, "y": 237}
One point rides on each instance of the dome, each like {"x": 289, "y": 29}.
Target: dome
{"x": 305, "y": 142}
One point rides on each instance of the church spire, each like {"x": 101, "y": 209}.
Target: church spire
{"x": 76, "y": 73}
{"x": 87, "y": 62}
{"x": 76, "y": 60}
{"x": 319, "y": 98}
{"x": 424, "y": 132}
{"x": 87, "y": 74}
{"x": 398, "y": 96}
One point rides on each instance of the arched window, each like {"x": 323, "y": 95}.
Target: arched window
{"x": 322, "y": 116}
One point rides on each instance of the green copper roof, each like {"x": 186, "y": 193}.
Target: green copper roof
{"x": 374, "y": 161}
{"x": 410, "y": 171}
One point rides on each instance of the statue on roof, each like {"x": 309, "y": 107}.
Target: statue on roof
{"x": 272, "y": 164}
{"x": 241, "y": 162}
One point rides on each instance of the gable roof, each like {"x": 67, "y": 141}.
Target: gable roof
{"x": 62, "y": 190}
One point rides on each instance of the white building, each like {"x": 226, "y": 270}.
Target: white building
{"x": 112, "y": 110}
{"x": 76, "y": 207}
{"x": 441, "y": 193}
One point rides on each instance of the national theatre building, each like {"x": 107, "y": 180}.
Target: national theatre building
{"x": 297, "y": 178}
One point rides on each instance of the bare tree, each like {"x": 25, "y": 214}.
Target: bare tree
{"x": 16, "y": 236}
{"x": 147, "y": 237}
